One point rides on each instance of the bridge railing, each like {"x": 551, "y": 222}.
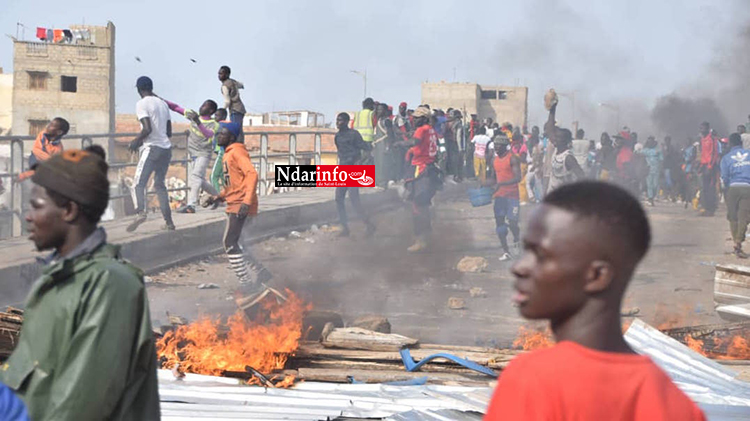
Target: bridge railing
{"x": 15, "y": 150}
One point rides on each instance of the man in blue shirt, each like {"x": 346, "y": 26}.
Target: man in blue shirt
{"x": 735, "y": 174}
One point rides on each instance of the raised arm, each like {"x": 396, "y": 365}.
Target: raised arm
{"x": 174, "y": 107}
{"x": 549, "y": 126}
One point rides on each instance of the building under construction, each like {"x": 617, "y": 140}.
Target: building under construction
{"x": 500, "y": 103}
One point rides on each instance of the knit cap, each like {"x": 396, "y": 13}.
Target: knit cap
{"x": 80, "y": 176}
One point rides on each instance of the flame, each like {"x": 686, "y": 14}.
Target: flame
{"x": 530, "y": 339}
{"x": 694, "y": 344}
{"x": 264, "y": 343}
{"x": 737, "y": 347}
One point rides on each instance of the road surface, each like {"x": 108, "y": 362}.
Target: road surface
{"x": 357, "y": 276}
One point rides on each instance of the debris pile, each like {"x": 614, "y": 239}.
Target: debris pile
{"x": 10, "y": 326}
{"x": 719, "y": 342}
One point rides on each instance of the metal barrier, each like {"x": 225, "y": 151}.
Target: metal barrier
{"x": 13, "y": 201}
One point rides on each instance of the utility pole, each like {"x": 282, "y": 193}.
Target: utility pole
{"x": 364, "y": 79}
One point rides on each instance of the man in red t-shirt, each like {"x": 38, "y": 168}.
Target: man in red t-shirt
{"x": 424, "y": 180}
{"x": 582, "y": 246}
{"x": 708, "y": 170}
{"x": 507, "y": 168}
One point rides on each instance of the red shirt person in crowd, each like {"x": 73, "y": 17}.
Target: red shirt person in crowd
{"x": 581, "y": 248}
{"x": 423, "y": 182}
{"x": 708, "y": 170}
{"x": 507, "y": 169}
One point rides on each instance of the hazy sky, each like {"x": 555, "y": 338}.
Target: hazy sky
{"x": 298, "y": 54}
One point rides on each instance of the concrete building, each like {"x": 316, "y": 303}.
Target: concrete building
{"x": 501, "y": 103}
{"x": 302, "y": 118}
{"x": 73, "y": 79}
{"x": 6, "y": 102}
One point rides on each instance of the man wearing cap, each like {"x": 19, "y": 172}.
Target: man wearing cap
{"x": 424, "y": 181}
{"x": 86, "y": 350}
{"x": 240, "y": 184}
{"x": 155, "y": 150}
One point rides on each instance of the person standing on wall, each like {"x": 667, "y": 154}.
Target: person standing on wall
{"x": 230, "y": 90}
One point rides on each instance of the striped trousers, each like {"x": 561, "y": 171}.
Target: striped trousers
{"x": 239, "y": 258}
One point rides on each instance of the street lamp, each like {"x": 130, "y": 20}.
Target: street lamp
{"x": 615, "y": 108}
{"x": 364, "y": 79}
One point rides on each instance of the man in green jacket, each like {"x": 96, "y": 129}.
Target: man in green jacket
{"x": 86, "y": 350}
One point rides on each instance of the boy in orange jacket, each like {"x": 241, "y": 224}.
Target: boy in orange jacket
{"x": 240, "y": 182}
{"x": 48, "y": 142}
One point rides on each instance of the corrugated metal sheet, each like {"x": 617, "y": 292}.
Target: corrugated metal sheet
{"x": 216, "y": 398}
{"x": 712, "y": 386}
{"x": 439, "y": 415}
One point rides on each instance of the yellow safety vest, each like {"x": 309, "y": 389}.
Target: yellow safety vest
{"x": 363, "y": 124}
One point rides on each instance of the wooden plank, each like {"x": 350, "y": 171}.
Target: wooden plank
{"x": 11, "y": 318}
{"x": 13, "y": 310}
{"x": 384, "y": 376}
{"x": 358, "y": 338}
{"x": 307, "y": 350}
{"x": 347, "y": 365}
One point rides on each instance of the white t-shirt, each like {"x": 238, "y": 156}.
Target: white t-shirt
{"x": 480, "y": 144}
{"x": 158, "y": 112}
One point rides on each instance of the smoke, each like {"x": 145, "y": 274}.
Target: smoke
{"x": 679, "y": 76}
{"x": 679, "y": 116}
{"x": 720, "y": 95}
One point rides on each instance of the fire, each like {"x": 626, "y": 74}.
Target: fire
{"x": 264, "y": 343}
{"x": 737, "y": 347}
{"x": 530, "y": 339}
{"x": 694, "y": 344}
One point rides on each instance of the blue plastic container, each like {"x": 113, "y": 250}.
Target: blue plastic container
{"x": 481, "y": 196}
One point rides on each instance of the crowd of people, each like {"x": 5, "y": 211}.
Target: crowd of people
{"x": 90, "y": 306}
{"x": 544, "y": 160}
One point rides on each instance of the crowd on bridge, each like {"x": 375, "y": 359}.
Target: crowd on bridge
{"x": 88, "y": 313}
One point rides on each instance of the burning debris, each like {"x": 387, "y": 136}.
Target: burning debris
{"x": 718, "y": 342}
{"x": 242, "y": 345}
{"x": 529, "y": 339}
